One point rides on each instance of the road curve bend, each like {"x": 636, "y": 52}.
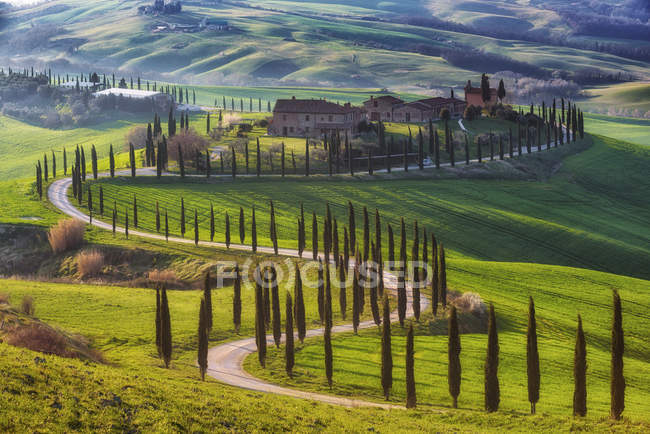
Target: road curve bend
{"x": 225, "y": 361}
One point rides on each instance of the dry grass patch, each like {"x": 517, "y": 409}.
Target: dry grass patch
{"x": 90, "y": 263}
{"x": 27, "y": 305}
{"x": 66, "y": 235}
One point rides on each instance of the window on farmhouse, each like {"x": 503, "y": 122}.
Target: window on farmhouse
{"x": 284, "y": 117}
{"x": 306, "y": 117}
{"x": 330, "y": 118}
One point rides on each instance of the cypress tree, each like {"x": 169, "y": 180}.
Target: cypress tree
{"x": 580, "y": 373}
{"x": 356, "y": 303}
{"x": 301, "y": 237}
{"x": 288, "y": 333}
{"x": 391, "y": 247}
{"x": 114, "y": 220}
{"x": 282, "y": 161}
{"x": 342, "y": 292}
{"x": 228, "y": 230}
{"x": 90, "y": 203}
{"x": 45, "y": 172}
{"x": 53, "y": 165}
{"x": 314, "y": 236}
{"x": 158, "y": 323}
{"x": 242, "y": 226}
{"x": 83, "y": 164}
{"x": 386, "y": 351}
{"x": 207, "y": 296}
{"x": 618, "y": 346}
{"x": 411, "y": 400}
{"x": 236, "y": 300}
{"x": 321, "y": 292}
{"x": 492, "y": 392}
{"x": 207, "y": 124}
{"x": 181, "y": 162}
{"x": 532, "y": 358}
{"x": 260, "y": 328}
{"x": 258, "y": 167}
{"x": 207, "y": 164}
{"x": 307, "y": 157}
{"x": 253, "y": 232}
{"x": 101, "y": 201}
{"x": 182, "y": 217}
{"x": 126, "y": 223}
{"x": 352, "y": 225}
{"x": 203, "y": 340}
{"x": 374, "y": 304}
{"x": 453, "y": 355}
{"x": 65, "y": 162}
{"x": 165, "y": 328}
{"x": 401, "y": 293}
{"x": 166, "y": 227}
{"x": 93, "y": 156}
{"x": 300, "y": 305}
{"x": 415, "y": 255}
{"x": 366, "y": 234}
{"x": 132, "y": 159}
{"x": 335, "y": 242}
{"x": 211, "y": 222}
{"x": 443, "y": 277}
{"x": 277, "y": 320}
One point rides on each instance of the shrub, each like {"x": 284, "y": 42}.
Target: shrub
{"x": 38, "y": 337}
{"x": 167, "y": 277}
{"x": 190, "y": 142}
{"x": 471, "y": 302}
{"x": 27, "y": 305}
{"x": 4, "y": 298}
{"x": 137, "y": 136}
{"x": 66, "y": 235}
{"x": 90, "y": 263}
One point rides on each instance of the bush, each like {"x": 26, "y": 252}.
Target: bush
{"x": 90, "y": 263}
{"x": 4, "y": 298}
{"x": 66, "y": 235}
{"x": 27, "y": 305}
{"x": 39, "y": 337}
{"x": 168, "y": 277}
{"x": 136, "y": 136}
{"x": 471, "y": 302}
{"x": 472, "y": 112}
{"x": 191, "y": 143}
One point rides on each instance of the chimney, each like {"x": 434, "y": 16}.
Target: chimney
{"x": 293, "y": 97}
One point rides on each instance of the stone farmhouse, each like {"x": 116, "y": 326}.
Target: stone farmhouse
{"x": 474, "y": 96}
{"x": 391, "y": 109}
{"x": 313, "y": 118}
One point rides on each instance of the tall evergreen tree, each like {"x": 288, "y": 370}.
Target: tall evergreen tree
{"x": 386, "y": 351}
{"x": 158, "y": 323}
{"x": 314, "y": 236}
{"x": 352, "y": 225}
{"x": 236, "y": 300}
{"x": 211, "y": 222}
{"x": 617, "y": 387}
{"x": 182, "y": 217}
{"x": 300, "y": 305}
{"x": 258, "y": 159}
{"x": 166, "y": 227}
{"x": 101, "y": 201}
{"x": 260, "y": 326}
{"x": 288, "y": 333}
{"x": 181, "y": 161}
{"x": 273, "y": 230}
{"x": 93, "y": 156}
{"x": 227, "y": 230}
{"x": 277, "y": 320}
{"x": 342, "y": 292}
{"x": 453, "y": 357}
{"x": 580, "y": 373}
{"x": 207, "y": 164}
{"x": 207, "y": 296}
{"x": 165, "y": 328}
{"x": 327, "y": 336}
{"x": 492, "y": 391}
{"x": 242, "y": 226}
{"x": 132, "y": 159}
{"x": 415, "y": 255}
{"x": 135, "y": 212}
{"x": 442, "y": 277}
{"x": 411, "y": 400}
{"x": 307, "y": 157}
{"x": 321, "y": 293}
{"x": 366, "y": 234}
{"x": 532, "y": 358}
{"x": 65, "y": 162}
{"x": 203, "y": 341}
{"x": 356, "y": 302}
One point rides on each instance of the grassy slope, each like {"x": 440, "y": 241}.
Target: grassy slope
{"x": 560, "y": 294}
{"x": 576, "y": 218}
{"x": 321, "y": 50}
{"x": 628, "y": 129}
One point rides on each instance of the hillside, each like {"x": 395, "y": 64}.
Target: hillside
{"x": 265, "y": 42}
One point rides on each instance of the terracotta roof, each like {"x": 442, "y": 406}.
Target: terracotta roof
{"x": 389, "y": 98}
{"x": 418, "y": 105}
{"x": 310, "y": 106}
{"x": 478, "y": 90}
{"x": 440, "y": 101}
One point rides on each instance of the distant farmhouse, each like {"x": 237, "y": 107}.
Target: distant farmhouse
{"x": 474, "y": 96}
{"x": 161, "y": 8}
{"x": 158, "y": 99}
{"x": 313, "y": 118}
{"x": 391, "y": 109}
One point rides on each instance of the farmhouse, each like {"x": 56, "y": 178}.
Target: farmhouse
{"x": 381, "y": 108}
{"x": 474, "y": 96}
{"x": 390, "y": 109}
{"x": 158, "y": 99}
{"x": 313, "y": 118}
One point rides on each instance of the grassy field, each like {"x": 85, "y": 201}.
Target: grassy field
{"x": 627, "y": 129}
{"x": 560, "y": 294}
{"x": 575, "y": 219}
{"x": 630, "y": 96}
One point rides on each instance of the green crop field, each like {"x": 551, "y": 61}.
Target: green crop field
{"x": 627, "y": 129}
{"x": 560, "y": 294}
{"x": 577, "y": 223}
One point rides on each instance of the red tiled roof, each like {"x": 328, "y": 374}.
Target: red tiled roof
{"x": 310, "y": 106}
{"x": 389, "y": 98}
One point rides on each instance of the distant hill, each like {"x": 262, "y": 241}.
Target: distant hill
{"x": 425, "y": 43}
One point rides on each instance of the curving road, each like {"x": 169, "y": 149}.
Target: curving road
{"x": 225, "y": 362}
